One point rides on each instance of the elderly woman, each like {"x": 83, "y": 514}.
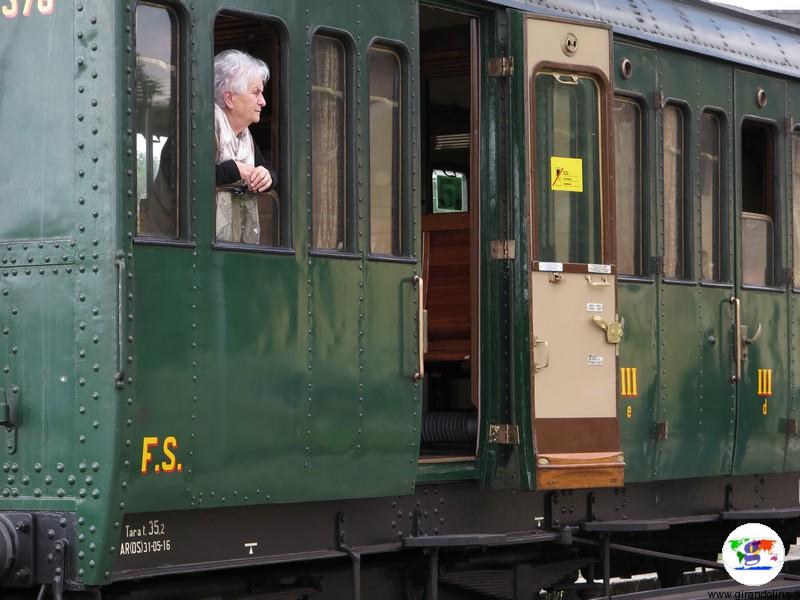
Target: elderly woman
{"x": 241, "y": 169}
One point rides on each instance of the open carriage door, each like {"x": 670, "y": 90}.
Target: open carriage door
{"x": 575, "y": 329}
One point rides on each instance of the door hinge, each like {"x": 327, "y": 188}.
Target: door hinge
{"x": 501, "y": 66}
{"x": 504, "y": 434}
{"x": 789, "y": 426}
{"x": 504, "y": 249}
{"x": 661, "y": 430}
{"x": 8, "y": 416}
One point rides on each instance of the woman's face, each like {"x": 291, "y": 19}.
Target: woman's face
{"x": 245, "y": 109}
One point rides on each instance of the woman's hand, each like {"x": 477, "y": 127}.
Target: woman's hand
{"x": 258, "y": 179}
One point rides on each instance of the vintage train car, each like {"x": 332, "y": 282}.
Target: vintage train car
{"x": 529, "y": 269}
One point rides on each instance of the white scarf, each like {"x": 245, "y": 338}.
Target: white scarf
{"x": 237, "y": 217}
{"x": 229, "y": 145}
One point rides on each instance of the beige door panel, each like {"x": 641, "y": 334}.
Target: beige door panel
{"x": 580, "y": 378}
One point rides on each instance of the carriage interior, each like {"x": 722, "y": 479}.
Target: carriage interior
{"x": 449, "y": 94}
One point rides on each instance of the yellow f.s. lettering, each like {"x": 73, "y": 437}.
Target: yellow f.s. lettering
{"x": 171, "y": 464}
{"x": 147, "y": 456}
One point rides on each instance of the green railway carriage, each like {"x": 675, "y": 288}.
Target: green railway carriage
{"x": 527, "y": 269}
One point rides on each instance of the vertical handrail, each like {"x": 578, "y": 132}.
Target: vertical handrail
{"x": 119, "y": 376}
{"x": 737, "y": 328}
{"x": 420, "y": 283}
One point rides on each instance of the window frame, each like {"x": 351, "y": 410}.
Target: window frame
{"x": 794, "y": 164}
{"x": 408, "y": 206}
{"x": 688, "y": 277}
{"x": 352, "y": 248}
{"x": 605, "y": 107}
{"x": 186, "y": 235}
{"x": 282, "y": 121}
{"x": 724, "y": 197}
{"x": 644, "y": 171}
{"x": 778, "y": 277}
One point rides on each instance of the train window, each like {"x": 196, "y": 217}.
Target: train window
{"x": 385, "y": 160}
{"x": 712, "y": 213}
{"x": 248, "y": 142}
{"x": 568, "y": 200}
{"x": 758, "y": 204}
{"x": 157, "y": 122}
{"x": 628, "y": 182}
{"x": 331, "y": 224}
{"x": 676, "y": 217}
{"x": 796, "y": 203}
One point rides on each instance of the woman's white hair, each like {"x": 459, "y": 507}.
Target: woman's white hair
{"x": 232, "y": 71}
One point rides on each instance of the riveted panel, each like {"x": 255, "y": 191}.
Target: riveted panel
{"x": 637, "y": 297}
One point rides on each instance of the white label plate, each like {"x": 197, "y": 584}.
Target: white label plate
{"x": 599, "y": 269}
{"x": 551, "y": 266}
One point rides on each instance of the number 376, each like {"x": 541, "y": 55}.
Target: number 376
{"x": 10, "y": 8}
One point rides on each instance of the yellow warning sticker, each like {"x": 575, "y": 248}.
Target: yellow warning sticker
{"x": 566, "y": 174}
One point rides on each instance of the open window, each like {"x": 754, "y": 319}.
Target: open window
{"x": 246, "y": 220}
{"x": 759, "y": 206}
{"x": 450, "y": 93}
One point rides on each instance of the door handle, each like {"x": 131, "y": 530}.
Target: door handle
{"x": 601, "y": 281}
{"x": 119, "y": 376}
{"x": 614, "y": 330}
{"x": 542, "y": 342}
{"x": 420, "y": 285}
{"x": 737, "y": 342}
{"x": 748, "y": 341}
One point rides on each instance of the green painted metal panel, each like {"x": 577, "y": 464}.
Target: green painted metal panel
{"x": 36, "y": 58}
{"x": 638, "y": 350}
{"x": 760, "y": 439}
{"x": 38, "y": 357}
{"x": 58, "y": 197}
{"x": 393, "y": 401}
{"x": 637, "y": 298}
{"x": 760, "y": 436}
{"x": 793, "y": 440}
{"x": 283, "y": 377}
{"x": 696, "y": 406}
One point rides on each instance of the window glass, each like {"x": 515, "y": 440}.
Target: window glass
{"x": 756, "y": 249}
{"x": 568, "y": 198}
{"x": 759, "y": 210}
{"x": 328, "y": 126}
{"x": 796, "y": 202}
{"x": 384, "y": 153}
{"x": 156, "y": 119}
{"x": 712, "y": 218}
{"x": 675, "y": 217}
{"x": 628, "y": 187}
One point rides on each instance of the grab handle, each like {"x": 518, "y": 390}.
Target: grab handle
{"x": 737, "y": 324}
{"x": 542, "y": 342}
{"x": 119, "y": 376}
{"x": 420, "y": 284}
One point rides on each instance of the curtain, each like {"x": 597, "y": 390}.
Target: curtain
{"x": 328, "y": 143}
